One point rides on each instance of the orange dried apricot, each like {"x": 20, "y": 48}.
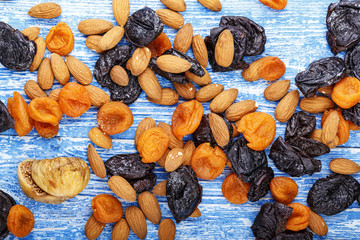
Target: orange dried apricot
{"x": 346, "y": 93}
{"x": 343, "y": 132}
{"x": 271, "y": 68}
{"x": 283, "y": 189}
{"x": 300, "y": 217}
{"x": 45, "y": 110}
{"x": 19, "y": 110}
{"x": 114, "y": 118}
{"x": 74, "y": 99}
{"x": 207, "y": 162}
{"x": 60, "y": 39}
{"x": 235, "y": 190}
{"x": 186, "y": 118}
{"x": 258, "y": 128}
{"x": 46, "y": 130}
{"x": 275, "y": 4}
{"x": 106, "y": 208}
{"x": 353, "y": 127}
{"x": 20, "y": 221}
{"x": 159, "y": 45}
{"x": 152, "y": 144}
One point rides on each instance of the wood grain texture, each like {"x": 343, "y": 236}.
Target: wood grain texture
{"x": 296, "y": 35}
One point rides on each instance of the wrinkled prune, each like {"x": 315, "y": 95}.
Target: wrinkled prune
{"x": 352, "y": 62}
{"x": 290, "y": 235}
{"x": 17, "y": 52}
{"x": 310, "y": 146}
{"x": 143, "y": 184}
{"x": 183, "y": 192}
{"x": 333, "y": 194}
{"x": 295, "y": 163}
{"x": 127, "y": 94}
{"x": 173, "y": 77}
{"x": 143, "y": 26}
{"x": 300, "y": 125}
{"x": 245, "y": 161}
{"x": 6, "y": 202}
{"x": 261, "y": 184}
{"x": 352, "y": 114}
{"x": 203, "y": 133}
{"x": 6, "y": 120}
{"x": 271, "y": 220}
{"x": 321, "y": 73}
{"x": 343, "y": 24}
{"x": 195, "y": 65}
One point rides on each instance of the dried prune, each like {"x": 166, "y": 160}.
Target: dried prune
{"x": 271, "y": 220}
{"x": 290, "y": 235}
{"x": 195, "y": 65}
{"x": 183, "y": 192}
{"x": 143, "y": 184}
{"x": 333, "y": 194}
{"x": 245, "y": 161}
{"x": 321, "y": 73}
{"x": 343, "y": 24}
{"x": 295, "y": 163}
{"x": 6, "y": 202}
{"x": 352, "y": 114}
{"x": 261, "y": 184}
{"x": 352, "y": 62}
{"x": 143, "y": 26}
{"x": 6, "y": 120}
{"x": 17, "y": 52}
{"x": 203, "y": 133}
{"x": 127, "y": 94}
{"x": 173, "y": 77}
{"x": 310, "y": 146}
{"x": 300, "y": 125}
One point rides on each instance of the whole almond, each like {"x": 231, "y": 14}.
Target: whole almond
{"x": 45, "y": 76}
{"x": 236, "y": 133}
{"x": 33, "y": 90}
{"x": 223, "y": 100}
{"x": 287, "y": 106}
{"x": 54, "y": 94}
{"x": 119, "y": 75}
{"x": 213, "y": 5}
{"x": 160, "y": 189}
{"x": 172, "y": 64}
{"x": 170, "y": 18}
{"x": 79, "y": 70}
{"x": 224, "y": 49}
{"x": 219, "y": 129}
{"x": 111, "y": 38}
{"x": 344, "y": 166}
{"x": 150, "y": 207}
{"x": 144, "y": 125}
{"x": 174, "y": 141}
{"x": 237, "y": 110}
{"x": 326, "y": 90}
{"x": 330, "y": 128}
{"x": 316, "y": 104}
{"x": 98, "y": 96}
{"x": 94, "y": 26}
{"x": 100, "y": 138}
{"x": 317, "y": 224}
{"x": 167, "y": 230}
{"x": 183, "y": 38}
{"x": 121, "y": 230}
{"x": 92, "y": 42}
{"x": 139, "y": 60}
{"x": 95, "y": 161}
{"x": 196, "y": 213}
{"x": 316, "y": 135}
{"x": 161, "y": 161}
{"x": 200, "y": 50}
{"x": 277, "y": 90}
{"x": 150, "y": 84}
{"x": 189, "y": 149}
{"x": 122, "y": 188}
{"x": 45, "y": 10}
{"x": 185, "y": 90}
{"x": 121, "y": 10}
{"x": 174, "y": 159}
{"x": 209, "y": 92}
{"x": 40, "y": 51}
{"x": 334, "y": 143}
{"x": 93, "y": 228}
{"x": 59, "y": 68}
{"x": 136, "y": 220}
{"x": 176, "y": 5}
{"x": 32, "y": 32}
{"x": 168, "y": 97}
{"x": 201, "y": 81}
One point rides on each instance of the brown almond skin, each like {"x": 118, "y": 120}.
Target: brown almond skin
{"x": 167, "y": 230}
{"x": 119, "y": 75}
{"x": 160, "y": 189}
{"x": 237, "y": 110}
{"x": 150, "y": 84}
{"x": 121, "y": 10}
{"x": 150, "y": 207}
{"x": 200, "y": 50}
{"x": 168, "y": 97}
{"x": 183, "y": 38}
{"x": 213, "y": 5}
{"x": 224, "y": 49}
{"x": 252, "y": 74}
{"x": 121, "y": 230}
{"x": 277, "y": 90}
{"x": 222, "y": 101}
{"x": 92, "y": 42}
{"x": 316, "y": 104}
{"x": 186, "y": 90}
{"x": 161, "y": 161}
{"x": 189, "y": 149}
{"x": 317, "y": 224}
{"x": 287, "y": 106}
{"x": 95, "y": 161}
{"x": 45, "y": 10}
{"x": 79, "y": 70}
{"x": 60, "y": 69}
{"x": 201, "y": 81}
{"x": 45, "y": 76}
{"x": 326, "y": 90}
{"x": 170, "y": 18}
{"x": 98, "y": 96}
{"x": 174, "y": 159}
{"x": 144, "y": 125}
{"x": 219, "y": 129}
{"x": 344, "y": 166}
{"x": 196, "y": 213}
{"x": 33, "y": 90}
{"x": 136, "y": 220}
{"x": 54, "y": 94}
{"x": 40, "y": 51}
{"x": 31, "y": 32}
{"x": 122, "y": 188}
{"x": 208, "y": 92}
{"x": 172, "y": 64}
{"x": 111, "y": 38}
{"x": 330, "y": 128}
{"x": 174, "y": 142}
{"x": 175, "y": 5}
{"x": 93, "y": 228}
{"x": 100, "y": 138}
{"x": 94, "y": 26}
{"x": 140, "y": 60}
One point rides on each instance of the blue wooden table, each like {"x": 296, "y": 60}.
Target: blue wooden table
{"x": 296, "y": 35}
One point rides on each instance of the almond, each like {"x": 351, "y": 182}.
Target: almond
{"x": 176, "y": 5}
{"x": 174, "y": 159}
{"x": 93, "y": 228}
{"x": 236, "y": 133}
{"x": 160, "y": 189}
{"x": 189, "y": 149}
{"x": 213, "y": 5}
{"x": 111, "y": 38}
{"x": 45, "y": 75}
{"x": 161, "y": 161}
{"x": 54, "y": 94}
{"x": 344, "y": 166}
{"x": 167, "y": 230}
{"x": 172, "y": 64}
{"x": 168, "y": 97}
{"x": 79, "y": 70}
{"x": 139, "y": 60}
{"x": 144, "y": 125}
{"x": 277, "y": 90}
{"x": 122, "y": 188}
{"x": 121, "y": 230}
{"x": 224, "y": 49}
{"x": 252, "y": 74}
{"x": 170, "y": 18}
{"x": 121, "y": 10}
{"x": 219, "y": 129}
{"x": 59, "y": 68}
{"x": 119, "y": 75}
{"x": 33, "y": 90}
{"x": 185, "y": 90}
{"x": 317, "y": 224}
{"x": 45, "y": 10}
{"x": 287, "y": 106}
{"x": 209, "y": 92}
{"x": 32, "y": 32}
{"x": 201, "y": 81}
{"x": 174, "y": 141}
{"x": 200, "y": 50}
{"x": 196, "y": 213}
{"x": 240, "y": 109}
{"x": 316, "y": 104}
{"x": 136, "y": 220}
{"x": 150, "y": 207}
{"x": 100, "y": 138}
{"x": 92, "y": 42}
{"x": 334, "y": 143}
{"x": 183, "y": 38}
{"x": 150, "y": 84}
{"x": 223, "y": 100}
{"x": 316, "y": 135}
{"x": 95, "y": 161}
{"x": 98, "y": 96}
{"x": 94, "y": 26}
{"x": 326, "y": 90}
{"x": 330, "y": 128}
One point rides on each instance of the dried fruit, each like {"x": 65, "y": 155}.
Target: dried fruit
{"x": 122, "y": 188}
{"x": 309, "y": 147}
{"x": 346, "y": 93}
{"x": 235, "y": 190}
{"x": 6, "y": 120}
{"x": 106, "y": 208}
{"x": 150, "y": 207}
{"x": 40, "y": 51}
{"x": 277, "y": 90}
{"x": 60, "y": 39}
{"x": 121, "y": 230}
{"x": 159, "y": 45}
{"x": 261, "y": 184}
{"x": 275, "y": 4}
{"x": 19, "y": 110}
{"x": 45, "y": 75}
{"x": 74, "y": 99}
{"x": 144, "y": 125}
{"x": 20, "y": 221}
{"x": 111, "y": 38}
{"x": 95, "y": 161}
{"x": 174, "y": 142}
{"x": 299, "y": 219}
{"x": 6, "y": 202}
{"x": 152, "y": 144}
{"x": 45, "y": 110}
{"x": 121, "y": 10}
{"x": 46, "y": 130}
{"x": 303, "y": 235}
{"x": 167, "y": 230}
{"x": 59, "y": 69}
{"x": 317, "y": 224}
{"x": 199, "y": 49}
{"x": 98, "y": 96}
{"x": 150, "y": 84}
{"x": 344, "y": 166}
{"x": 79, "y": 70}
{"x": 33, "y": 90}
{"x": 136, "y": 221}
{"x": 352, "y": 62}
{"x": 168, "y": 97}
{"x": 94, "y": 26}
{"x": 45, "y": 10}
{"x": 208, "y": 92}
{"x": 100, "y": 138}
{"x": 283, "y": 189}
{"x": 352, "y": 114}
{"x": 93, "y": 228}
{"x": 32, "y": 32}
{"x": 213, "y": 5}
{"x": 175, "y": 5}
{"x": 300, "y": 125}
{"x": 203, "y": 133}
{"x": 271, "y": 68}
{"x": 316, "y": 104}
{"x": 223, "y": 100}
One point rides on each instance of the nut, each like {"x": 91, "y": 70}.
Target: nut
{"x": 122, "y": 188}
{"x": 222, "y": 101}
{"x": 174, "y": 142}
{"x": 200, "y": 50}
{"x": 167, "y": 230}
{"x": 45, "y": 10}
{"x": 121, "y": 10}
{"x": 330, "y": 128}
{"x": 79, "y": 70}
{"x": 150, "y": 84}
{"x": 98, "y": 96}
{"x": 168, "y": 97}
{"x": 317, "y": 224}
{"x": 121, "y": 230}
{"x": 59, "y": 68}
{"x": 283, "y": 189}
{"x": 136, "y": 220}
{"x": 45, "y": 75}
{"x": 316, "y": 104}
{"x": 213, "y": 5}
{"x": 185, "y": 90}
{"x": 224, "y": 49}
{"x": 201, "y": 81}
{"x": 174, "y": 159}
{"x": 170, "y": 18}
{"x": 92, "y": 42}
{"x": 219, "y": 129}
{"x": 150, "y": 207}
{"x": 196, "y": 213}
{"x": 183, "y": 38}
{"x": 277, "y": 90}
{"x": 94, "y": 26}
{"x": 111, "y": 38}
{"x": 172, "y": 64}
{"x": 326, "y": 90}
{"x": 189, "y": 149}
{"x": 93, "y": 228}
{"x": 287, "y": 106}
{"x": 208, "y": 92}
{"x": 252, "y": 74}
{"x": 237, "y": 110}
{"x": 95, "y": 161}
{"x": 33, "y": 90}
{"x": 100, "y": 138}
{"x": 139, "y": 60}
{"x": 40, "y": 51}
{"x": 175, "y": 5}
{"x": 160, "y": 189}
{"x": 119, "y": 75}
{"x": 144, "y": 125}
{"x": 54, "y": 94}
{"x": 344, "y": 166}
{"x": 31, "y": 32}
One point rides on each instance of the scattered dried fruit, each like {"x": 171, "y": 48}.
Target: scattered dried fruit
{"x": 299, "y": 219}
{"x": 346, "y": 93}
{"x": 20, "y": 221}
{"x": 19, "y": 110}
{"x": 45, "y": 110}
{"x": 152, "y": 144}
{"x": 60, "y": 39}
{"x": 74, "y": 99}
{"x": 275, "y": 4}
{"x": 235, "y": 190}
{"x": 106, "y": 208}
{"x": 283, "y": 189}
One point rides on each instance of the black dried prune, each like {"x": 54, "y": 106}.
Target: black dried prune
{"x": 310, "y": 146}
{"x": 17, "y": 52}
{"x": 195, "y": 65}
{"x": 295, "y": 163}
{"x": 143, "y": 184}
{"x": 261, "y": 184}
{"x": 6, "y": 120}
{"x": 300, "y": 125}
{"x": 203, "y": 133}
{"x": 333, "y": 194}
{"x": 352, "y": 61}
{"x": 183, "y": 192}
{"x": 246, "y": 162}
{"x": 321, "y": 73}
{"x": 143, "y": 26}
{"x": 290, "y": 235}
{"x": 127, "y": 94}
{"x": 6, "y": 202}
{"x": 271, "y": 220}
{"x": 352, "y": 114}
{"x": 173, "y": 77}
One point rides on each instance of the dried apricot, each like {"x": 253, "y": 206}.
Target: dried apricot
{"x": 152, "y": 144}
{"x": 271, "y": 68}
{"x": 74, "y": 99}
{"x": 45, "y": 110}
{"x": 19, "y": 110}
{"x": 186, "y": 118}
{"x": 258, "y": 128}
{"x": 114, "y": 117}
{"x": 159, "y": 45}
{"x": 343, "y": 132}
{"x": 46, "y": 130}
{"x": 300, "y": 217}
{"x": 235, "y": 190}
{"x": 207, "y": 162}
{"x": 283, "y": 189}
{"x": 275, "y": 4}
{"x": 20, "y": 221}
{"x": 106, "y": 208}
{"x": 346, "y": 93}
{"x": 353, "y": 127}
{"x": 60, "y": 39}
